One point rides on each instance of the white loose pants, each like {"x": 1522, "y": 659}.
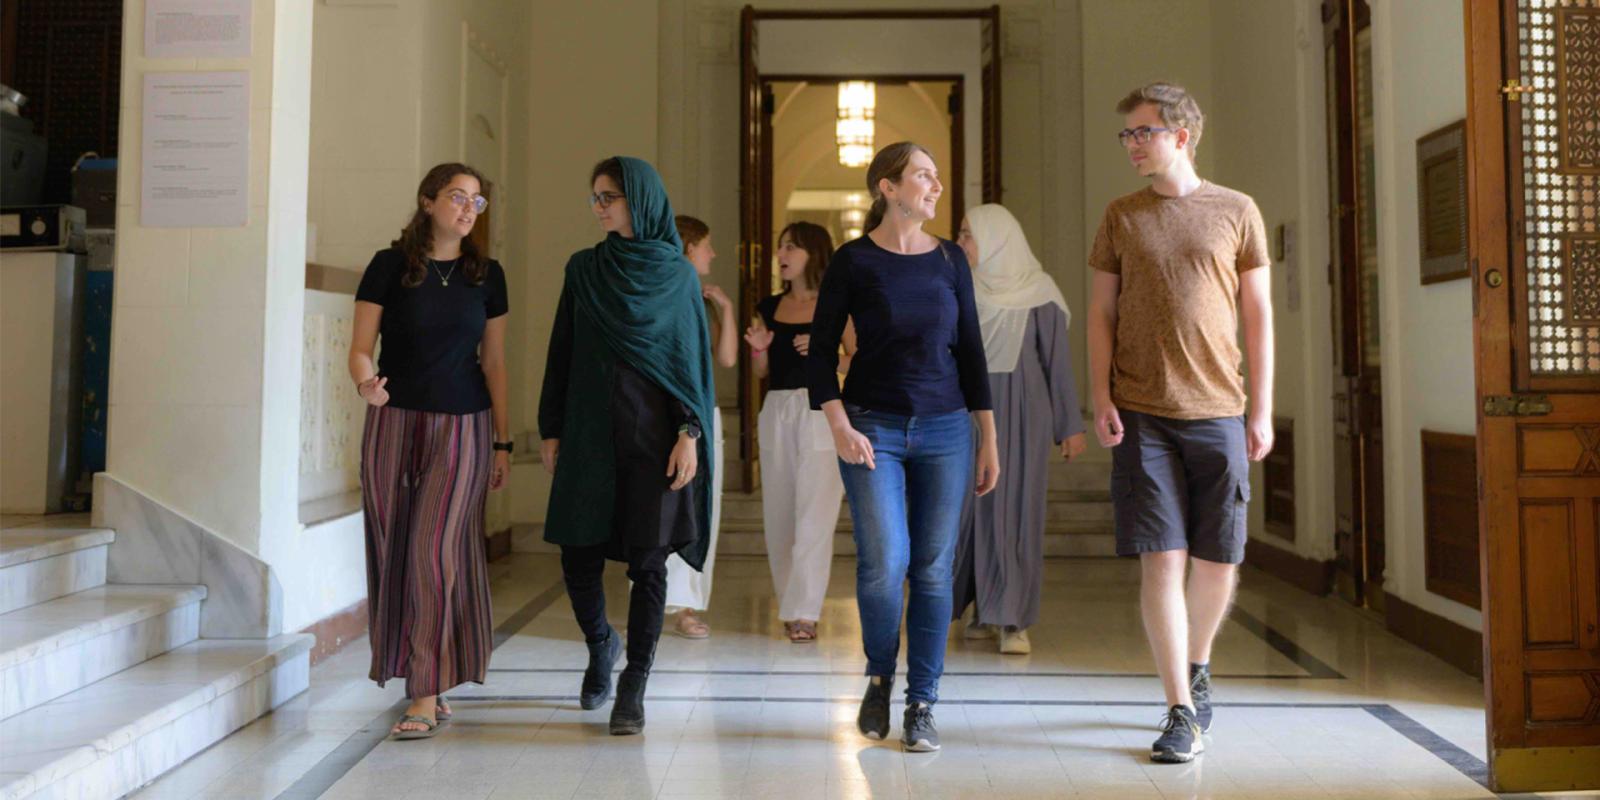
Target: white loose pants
{"x": 685, "y": 587}
{"x": 801, "y": 492}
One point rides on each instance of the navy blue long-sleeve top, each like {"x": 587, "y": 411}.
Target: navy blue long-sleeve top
{"x": 919, "y": 346}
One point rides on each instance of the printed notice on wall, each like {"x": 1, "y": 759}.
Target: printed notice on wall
{"x": 197, "y": 28}
{"x": 195, "y": 165}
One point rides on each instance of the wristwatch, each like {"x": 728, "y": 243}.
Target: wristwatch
{"x": 506, "y": 446}
{"x": 692, "y": 431}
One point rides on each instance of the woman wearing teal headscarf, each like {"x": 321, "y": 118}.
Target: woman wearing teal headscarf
{"x": 626, "y": 388}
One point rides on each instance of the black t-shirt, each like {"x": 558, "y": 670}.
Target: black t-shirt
{"x": 786, "y": 368}
{"x": 430, "y": 333}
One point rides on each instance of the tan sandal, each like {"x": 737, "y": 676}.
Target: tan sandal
{"x": 689, "y": 626}
{"x": 442, "y": 710}
{"x": 801, "y": 631}
{"x": 401, "y": 735}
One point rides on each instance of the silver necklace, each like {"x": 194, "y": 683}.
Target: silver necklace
{"x": 444, "y": 277}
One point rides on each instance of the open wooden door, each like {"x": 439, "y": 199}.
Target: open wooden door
{"x": 990, "y": 91}
{"x": 1533, "y": 69}
{"x": 1353, "y": 273}
{"x": 755, "y": 230}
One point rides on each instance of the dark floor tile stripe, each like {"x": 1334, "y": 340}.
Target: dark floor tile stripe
{"x": 1464, "y": 762}
{"x": 1316, "y": 667}
{"x": 352, "y": 750}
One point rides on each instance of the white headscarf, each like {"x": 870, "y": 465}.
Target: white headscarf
{"x": 1007, "y": 283}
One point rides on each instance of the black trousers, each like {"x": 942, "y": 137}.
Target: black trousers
{"x": 583, "y": 569}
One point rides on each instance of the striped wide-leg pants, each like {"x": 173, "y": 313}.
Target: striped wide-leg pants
{"x": 424, "y": 481}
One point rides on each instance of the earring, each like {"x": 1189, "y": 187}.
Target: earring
{"x": 903, "y": 210}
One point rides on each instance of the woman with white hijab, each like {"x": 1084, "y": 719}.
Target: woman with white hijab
{"x": 1000, "y": 556}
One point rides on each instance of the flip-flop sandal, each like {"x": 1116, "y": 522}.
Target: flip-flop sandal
{"x": 426, "y": 733}
{"x": 443, "y": 712}
{"x": 801, "y": 632}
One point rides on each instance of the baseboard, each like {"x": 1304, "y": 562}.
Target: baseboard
{"x": 336, "y": 630}
{"x": 1458, "y": 645}
{"x": 499, "y": 544}
{"x": 1309, "y": 574}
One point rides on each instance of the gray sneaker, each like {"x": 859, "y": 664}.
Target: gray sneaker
{"x": 1180, "y": 738}
{"x": 1200, "y": 692}
{"x": 918, "y": 733}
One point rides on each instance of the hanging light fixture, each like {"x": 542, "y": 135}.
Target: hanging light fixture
{"x": 854, "y": 131}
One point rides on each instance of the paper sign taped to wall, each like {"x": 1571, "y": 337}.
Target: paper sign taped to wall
{"x": 195, "y": 161}
{"x": 197, "y": 28}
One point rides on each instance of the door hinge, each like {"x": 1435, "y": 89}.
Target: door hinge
{"x": 1516, "y": 405}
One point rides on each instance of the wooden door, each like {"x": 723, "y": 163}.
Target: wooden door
{"x": 990, "y": 90}
{"x": 1353, "y": 274}
{"x": 1534, "y": 245}
{"x": 755, "y": 223}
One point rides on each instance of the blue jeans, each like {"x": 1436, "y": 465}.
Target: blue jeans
{"x": 907, "y": 516}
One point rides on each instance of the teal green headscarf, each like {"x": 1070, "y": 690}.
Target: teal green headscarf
{"x": 644, "y": 298}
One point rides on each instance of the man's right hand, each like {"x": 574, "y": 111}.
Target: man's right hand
{"x": 548, "y": 450}
{"x": 1107, "y": 423}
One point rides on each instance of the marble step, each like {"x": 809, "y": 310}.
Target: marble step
{"x": 1087, "y": 539}
{"x": 108, "y": 739}
{"x": 1060, "y": 506}
{"x": 40, "y": 564}
{"x": 58, "y": 647}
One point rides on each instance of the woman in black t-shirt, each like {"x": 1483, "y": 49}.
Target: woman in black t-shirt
{"x": 435, "y": 397}
{"x": 801, "y": 488}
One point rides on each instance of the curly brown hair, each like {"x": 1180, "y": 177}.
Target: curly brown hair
{"x": 416, "y": 239}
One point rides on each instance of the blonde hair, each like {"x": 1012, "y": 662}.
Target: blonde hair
{"x": 1177, "y": 109}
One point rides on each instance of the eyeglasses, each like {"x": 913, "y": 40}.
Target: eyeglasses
{"x": 1139, "y": 135}
{"x": 461, "y": 199}
{"x": 604, "y": 199}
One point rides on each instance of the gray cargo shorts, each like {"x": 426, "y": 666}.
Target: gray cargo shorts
{"x": 1181, "y": 484}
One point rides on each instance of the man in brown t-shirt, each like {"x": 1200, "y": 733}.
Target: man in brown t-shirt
{"x": 1178, "y": 266}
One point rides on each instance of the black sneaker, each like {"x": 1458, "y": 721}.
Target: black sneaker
{"x": 1200, "y": 692}
{"x": 1180, "y": 740}
{"x": 874, "y": 717}
{"x": 918, "y": 734}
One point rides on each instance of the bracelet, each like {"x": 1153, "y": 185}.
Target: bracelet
{"x": 757, "y": 350}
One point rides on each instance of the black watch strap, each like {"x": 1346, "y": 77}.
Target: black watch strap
{"x": 506, "y": 446}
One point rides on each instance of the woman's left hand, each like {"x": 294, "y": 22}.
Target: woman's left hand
{"x": 988, "y": 468}
{"x": 715, "y": 294}
{"x": 501, "y": 470}
{"x": 1073, "y": 446}
{"x": 683, "y": 463}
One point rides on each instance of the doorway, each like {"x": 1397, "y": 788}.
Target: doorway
{"x": 1353, "y": 276}
{"x": 949, "y": 70}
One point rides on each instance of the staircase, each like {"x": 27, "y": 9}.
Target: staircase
{"x": 1078, "y": 520}
{"x": 104, "y": 687}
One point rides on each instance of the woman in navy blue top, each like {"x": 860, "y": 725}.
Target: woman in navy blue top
{"x": 901, "y": 426}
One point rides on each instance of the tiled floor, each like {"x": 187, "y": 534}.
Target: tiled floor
{"x": 1339, "y": 708}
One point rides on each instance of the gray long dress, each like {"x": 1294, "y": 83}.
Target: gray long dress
{"x": 1000, "y": 557}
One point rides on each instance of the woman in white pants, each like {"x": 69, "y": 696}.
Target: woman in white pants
{"x": 688, "y": 591}
{"x": 800, "y": 484}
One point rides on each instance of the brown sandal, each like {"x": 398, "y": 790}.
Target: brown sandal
{"x": 801, "y": 631}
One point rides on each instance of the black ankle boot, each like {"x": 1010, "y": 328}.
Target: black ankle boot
{"x": 627, "y": 714}
{"x": 597, "y": 678}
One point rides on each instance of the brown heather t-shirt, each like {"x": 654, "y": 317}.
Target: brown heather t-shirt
{"x": 1176, "y": 353}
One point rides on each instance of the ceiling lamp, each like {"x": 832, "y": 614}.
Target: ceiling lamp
{"x": 858, "y": 106}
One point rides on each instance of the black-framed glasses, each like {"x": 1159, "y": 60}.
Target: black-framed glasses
{"x": 1139, "y": 135}
{"x": 604, "y": 199}
{"x": 462, "y": 199}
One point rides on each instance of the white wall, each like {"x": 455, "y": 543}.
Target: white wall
{"x": 1419, "y": 82}
{"x": 206, "y": 321}
{"x": 1269, "y": 141}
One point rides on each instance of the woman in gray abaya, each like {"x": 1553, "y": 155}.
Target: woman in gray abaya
{"x": 1000, "y": 557}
